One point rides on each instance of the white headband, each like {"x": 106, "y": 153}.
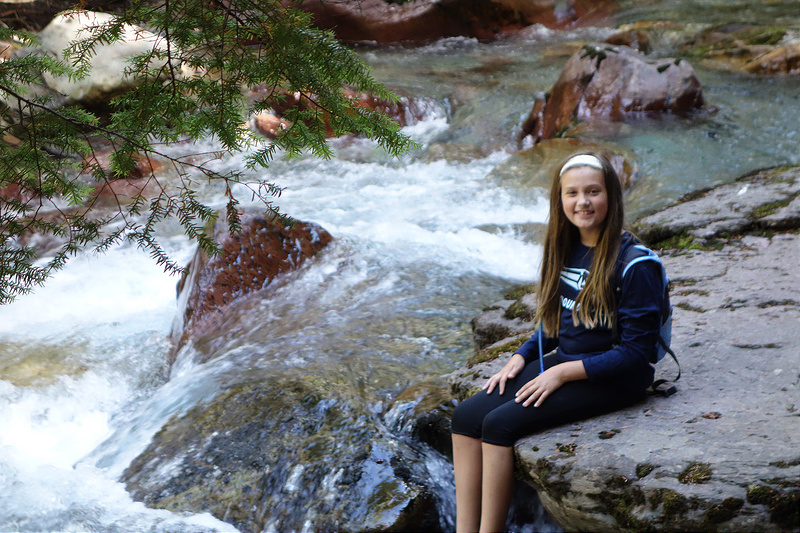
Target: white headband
{"x": 581, "y": 160}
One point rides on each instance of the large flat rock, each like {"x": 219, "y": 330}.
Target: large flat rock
{"x": 762, "y": 200}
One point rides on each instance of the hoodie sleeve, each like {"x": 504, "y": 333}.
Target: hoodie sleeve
{"x": 639, "y": 321}
{"x": 530, "y": 350}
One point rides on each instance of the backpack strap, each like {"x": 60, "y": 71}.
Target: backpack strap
{"x": 628, "y": 260}
{"x": 669, "y": 388}
{"x": 649, "y": 255}
{"x": 541, "y": 350}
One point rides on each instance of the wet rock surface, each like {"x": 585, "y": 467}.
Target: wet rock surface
{"x": 248, "y": 262}
{"x": 282, "y": 446}
{"x": 427, "y": 20}
{"x": 286, "y": 454}
{"x": 721, "y": 454}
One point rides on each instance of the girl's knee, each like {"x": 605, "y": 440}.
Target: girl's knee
{"x": 464, "y": 421}
{"x": 497, "y": 430}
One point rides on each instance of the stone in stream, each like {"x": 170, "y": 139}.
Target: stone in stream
{"x": 535, "y": 166}
{"x": 292, "y": 453}
{"x": 248, "y": 262}
{"x": 276, "y": 446}
{"x": 108, "y": 62}
{"x": 612, "y": 83}
{"x": 428, "y": 20}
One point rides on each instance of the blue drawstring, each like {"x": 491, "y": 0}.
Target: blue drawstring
{"x": 541, "y": 351}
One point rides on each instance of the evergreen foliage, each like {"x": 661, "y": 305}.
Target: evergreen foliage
{"x": 189, "y": 86}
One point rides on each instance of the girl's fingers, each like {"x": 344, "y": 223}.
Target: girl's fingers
{"x": 526, "y": 391}
{"x": 492, "y": 383}
{"x": 541, "y": 399}
{"x": 535, "y": 395}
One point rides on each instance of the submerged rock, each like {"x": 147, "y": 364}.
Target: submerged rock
{"x": 285, "y": 454}
{"x": 534, "y": 167}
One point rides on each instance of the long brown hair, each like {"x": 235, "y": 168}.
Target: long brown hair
{"x": 595, "y": 305}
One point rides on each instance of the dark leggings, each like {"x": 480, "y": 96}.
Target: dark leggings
{"x": 499, "y": 420}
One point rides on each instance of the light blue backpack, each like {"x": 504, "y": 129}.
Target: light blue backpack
{"x": 636, "y": 254}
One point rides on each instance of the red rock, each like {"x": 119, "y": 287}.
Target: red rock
{"x": 403, "y": 111}
{"x": 6, "y": 48}
{"x": 533, "y": 125}
{"x": 12, "y": 191}
{"x": 249, "y": 261}
{"x": 123, "y": 191}
{"x": 614, "y": 83}
{"x": 429, "y": 20}
{"x": 633, "y": 38}
{"x": 144, "y": 165}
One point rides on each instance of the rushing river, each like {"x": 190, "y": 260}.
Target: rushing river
{"x": 422, "y": 245}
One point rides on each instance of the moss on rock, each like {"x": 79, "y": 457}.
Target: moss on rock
{"x": 696, "y": 472}
{"x": 784, "y": 506}
{"x": 483, "y": 356}
{"x": 725, "y": 511}
{"x": 644, "y": 469}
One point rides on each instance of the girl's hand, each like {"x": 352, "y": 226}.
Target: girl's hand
{"x": 539, "y": 388}
{"x": 513, "y": 367}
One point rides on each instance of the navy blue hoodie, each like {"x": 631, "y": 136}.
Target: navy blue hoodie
{"x": 639, "y": 318}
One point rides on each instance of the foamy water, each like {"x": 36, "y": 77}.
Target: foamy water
{"x": 106, "y": 319}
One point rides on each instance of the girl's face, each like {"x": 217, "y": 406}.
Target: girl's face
{"x": 585, "y": 201}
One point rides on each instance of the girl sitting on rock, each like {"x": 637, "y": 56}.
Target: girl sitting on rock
{"x": 589, "y": 373}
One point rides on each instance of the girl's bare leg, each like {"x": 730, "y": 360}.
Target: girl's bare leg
{"x": 468, "y": 469}
{"x": 498, "y": 487}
